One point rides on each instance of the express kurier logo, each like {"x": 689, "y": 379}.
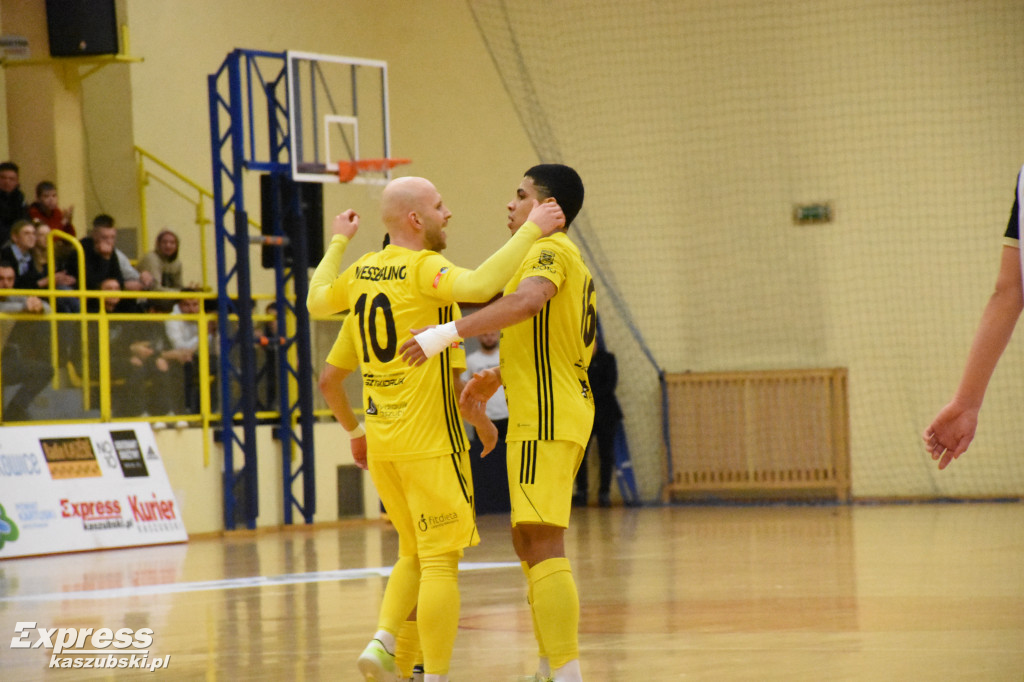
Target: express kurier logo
{"x": 95, "y": 514}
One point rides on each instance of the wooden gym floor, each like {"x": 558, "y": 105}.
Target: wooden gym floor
{"x": 879, "y": 592}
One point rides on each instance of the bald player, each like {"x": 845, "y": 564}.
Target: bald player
{"x": 414, "y": 445}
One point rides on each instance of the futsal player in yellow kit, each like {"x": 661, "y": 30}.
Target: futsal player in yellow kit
{"x": 415, "y": 445}
{"x": 549, "y": 320}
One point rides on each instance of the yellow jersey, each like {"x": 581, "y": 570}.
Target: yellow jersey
{"x": 411, "y": 412}
{"x": 544, "y": 359}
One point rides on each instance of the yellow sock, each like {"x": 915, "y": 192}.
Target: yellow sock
{"x": 438, "y": 610}
{"x": 408, "y": 648}
{"x": 556, "y": 607}
{"x": 400, "y": 594}
{"x": 541, "y": 652}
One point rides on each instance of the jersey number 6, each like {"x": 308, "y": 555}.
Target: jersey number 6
{"x": 589, "y": 315}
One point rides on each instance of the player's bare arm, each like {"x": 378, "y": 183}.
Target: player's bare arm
{"x": 476, "y": 414}
{"x": 479, "y": 389}
{"x": 324, "y": 298}
{"x": 952, "y": 431}
{"x": 522, "y": 304}
{"x": 334, "y": 393}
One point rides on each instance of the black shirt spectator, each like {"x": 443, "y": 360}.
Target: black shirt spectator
{"x": 12, "y": 200}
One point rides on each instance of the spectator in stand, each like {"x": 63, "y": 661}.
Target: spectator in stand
{"x": 45, "y": 209}
{"x": 40, "y": 262}
{"x": 19, "y": 252}
{"x": 103, "y": 259}
{"x": 101, "y": 262}
{"x": 184, "y": 338}
{"x": 140, "y": 360}
{"x": 24, "y": 358}
{"x": 12, "y": 200}
{"x": 267, "y": 341}
{"x": 162, "y": 263}
{"x": 603, "y": 375}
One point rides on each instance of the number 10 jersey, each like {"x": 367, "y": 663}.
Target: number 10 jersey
{"x": 411, "y": 412}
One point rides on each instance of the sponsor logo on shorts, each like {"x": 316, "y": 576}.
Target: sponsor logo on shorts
{"x": 430, "y": 521}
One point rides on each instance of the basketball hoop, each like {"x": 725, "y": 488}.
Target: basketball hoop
{"x": 348, "y": 170}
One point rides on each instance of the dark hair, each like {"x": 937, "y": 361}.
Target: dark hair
{"x": 9, "y": 166}
{"x": 562, "y": 183}
{"x": 44, "y": 186}
{"x": 9, "y": 264}
{"x": 19, "y": 225}
{"x": 103, "y": 220}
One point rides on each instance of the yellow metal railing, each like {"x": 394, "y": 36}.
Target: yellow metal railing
{"x": 150, "y": 170}
{"x": 202, "y": 200}
{"x": 103, "y": 383}
{"x": 187, "y": 190}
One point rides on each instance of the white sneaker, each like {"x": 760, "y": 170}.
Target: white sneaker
{"x": 159, "y": 426}
{"x": 375, "y": 663}
{"x": 181, "y": 424}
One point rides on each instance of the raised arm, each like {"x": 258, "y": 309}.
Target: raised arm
{"x": 326, "y": 295}
{"x": 952, "y": 430}
{"x": 477, "y": 286}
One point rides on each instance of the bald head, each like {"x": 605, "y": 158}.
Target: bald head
{"x": 414, "y": 214}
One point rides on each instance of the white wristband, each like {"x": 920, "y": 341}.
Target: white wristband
{"x": 436, "y": 339}
{"x": 357, "y": 432}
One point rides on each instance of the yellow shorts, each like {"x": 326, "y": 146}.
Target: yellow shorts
{"x": 540, "y": 480}
{"x": 429, "y": 501}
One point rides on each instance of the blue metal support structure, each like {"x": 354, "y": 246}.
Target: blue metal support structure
{"x": 231, "y": 92}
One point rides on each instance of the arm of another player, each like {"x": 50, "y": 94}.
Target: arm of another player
{"x": 476, "y": 415}
{"x": 478, "y": 390}
{"x": 526, "y": 301}
{"x": 337, "y": 400}
{"x": 324, "y": 298}
{"x": 952, "y": 431}
{"x": 480, "y": 285}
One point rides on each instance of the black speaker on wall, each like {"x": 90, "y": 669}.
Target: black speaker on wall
{"x": 310, "y": 197}
{"x": 81, "y": 27}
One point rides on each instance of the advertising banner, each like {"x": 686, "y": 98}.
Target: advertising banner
{"x": 72, "y": 487}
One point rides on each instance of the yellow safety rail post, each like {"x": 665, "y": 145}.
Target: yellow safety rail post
{"x": 204, "y": 378}
{"x": 198, "y": 197}
{"x": 103, "y": 348}
{"x": 51, "y": 272}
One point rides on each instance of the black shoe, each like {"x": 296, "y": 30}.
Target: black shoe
{"x": 579, "y": 500}
{"x": 604, "y": 500}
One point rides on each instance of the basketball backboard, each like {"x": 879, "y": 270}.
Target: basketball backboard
{"x": 338, "y": 112}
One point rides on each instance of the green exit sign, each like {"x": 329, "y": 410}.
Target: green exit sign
{"x": 810, "y": 214}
